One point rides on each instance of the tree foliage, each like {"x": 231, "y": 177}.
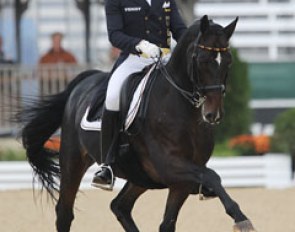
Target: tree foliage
{"x": 283, "y": 138}
{"x": 237, "y": 118}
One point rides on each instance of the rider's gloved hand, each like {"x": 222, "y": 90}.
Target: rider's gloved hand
{"x": 148, "y": 50}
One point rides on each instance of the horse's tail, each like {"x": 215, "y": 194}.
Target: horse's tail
{"x": 41, "y": 119}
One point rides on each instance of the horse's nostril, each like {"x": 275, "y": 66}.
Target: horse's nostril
{"x": 209, "y": 117}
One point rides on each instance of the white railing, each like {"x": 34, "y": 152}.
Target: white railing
{"x": 271, "y": 171}
{"x": 265, "y": 31}
{"x": 20, "y": 83}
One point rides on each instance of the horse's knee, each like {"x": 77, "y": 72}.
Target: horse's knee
{"x": 211, "y": 179}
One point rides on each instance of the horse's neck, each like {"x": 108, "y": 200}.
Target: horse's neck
{"x": 177, "y": 68}
{"x": 172, "y": 100}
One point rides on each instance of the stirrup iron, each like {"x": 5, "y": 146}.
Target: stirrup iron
{"x": 108, "y": 187}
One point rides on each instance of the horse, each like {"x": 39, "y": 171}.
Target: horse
{"x": 167, "y": 148}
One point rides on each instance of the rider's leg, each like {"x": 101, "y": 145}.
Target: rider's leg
{"x": 109, "y": 131}
{"x": 104, "y": 178}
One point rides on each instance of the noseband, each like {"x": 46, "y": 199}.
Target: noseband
{"x": 197, "y": 96}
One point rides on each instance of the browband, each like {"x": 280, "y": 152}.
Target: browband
{"x": 214, "y": 49}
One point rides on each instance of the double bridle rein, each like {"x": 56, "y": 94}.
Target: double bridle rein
{"x": 197, "y": 96}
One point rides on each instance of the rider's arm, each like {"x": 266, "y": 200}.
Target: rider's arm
{"x": 115, "y": 28}
{"x": 177, "y": 25}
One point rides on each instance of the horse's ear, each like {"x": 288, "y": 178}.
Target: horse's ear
{"x": 229, "y": 29}
{"x": 204, "y": 24}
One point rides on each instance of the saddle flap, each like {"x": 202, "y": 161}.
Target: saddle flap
{"x": 132, "y": 94}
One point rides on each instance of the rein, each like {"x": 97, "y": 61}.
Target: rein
{"x": 196, "y": 97}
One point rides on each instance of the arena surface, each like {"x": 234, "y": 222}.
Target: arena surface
{"x": 269, "y": 210}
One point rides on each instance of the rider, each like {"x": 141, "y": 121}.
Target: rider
{"x": 135, "y": 27}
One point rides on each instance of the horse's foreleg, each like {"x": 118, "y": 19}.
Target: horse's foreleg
{"x": 72, "y": 171}
{"x": 176, "y": 198}
{"x": 212, "y": 180}
{"x": 123, "y": 204}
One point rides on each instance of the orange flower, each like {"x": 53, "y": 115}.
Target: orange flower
{"x": 53, "y": 143}
{"x": 260, "y": 143}
{"x": 241, "y": 140}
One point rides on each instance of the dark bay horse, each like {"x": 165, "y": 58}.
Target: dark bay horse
{"x": 169, "y": 150}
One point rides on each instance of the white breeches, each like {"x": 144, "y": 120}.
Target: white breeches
{"x": 132, "y": 64}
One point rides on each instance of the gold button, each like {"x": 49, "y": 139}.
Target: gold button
{"x": 147, "y": 31}
{"x": 146, "y": 18}
{"x": 160, "y": 32}
{"x": 160, "y": 18}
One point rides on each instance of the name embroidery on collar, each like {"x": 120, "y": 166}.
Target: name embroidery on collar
{"x": 132, "y": 9}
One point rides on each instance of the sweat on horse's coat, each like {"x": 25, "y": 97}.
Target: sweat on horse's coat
{"x": 170, "y": 148}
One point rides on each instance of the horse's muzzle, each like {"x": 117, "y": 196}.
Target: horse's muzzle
{"x": 212, "y": 118}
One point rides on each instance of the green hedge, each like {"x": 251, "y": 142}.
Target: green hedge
{"x": 238, "y": 116}
{"x": 12, "y": 155}
{"x": 283, "y": 139}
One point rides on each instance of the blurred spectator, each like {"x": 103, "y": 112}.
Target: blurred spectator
{"x": 54, "y": 78}
{"x": 3, "y": 60}
{"x": 57, "y": 54}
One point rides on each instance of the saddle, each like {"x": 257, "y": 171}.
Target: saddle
{"x": 134, "y": 95}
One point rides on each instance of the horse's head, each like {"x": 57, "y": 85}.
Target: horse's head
{"x": 209, "y": 59}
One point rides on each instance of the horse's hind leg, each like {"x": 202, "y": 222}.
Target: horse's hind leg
{"x": 73, "y": 167}
{"x": 176, "y": 198}
{"x": 123, "y": 204}
{"x": 212, "y": 180}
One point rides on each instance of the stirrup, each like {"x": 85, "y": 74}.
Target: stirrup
{"x": 108, "y": 187}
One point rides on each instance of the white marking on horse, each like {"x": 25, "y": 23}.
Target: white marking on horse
{"x": 217, "y": 116}
{"x": 218, "y": 58}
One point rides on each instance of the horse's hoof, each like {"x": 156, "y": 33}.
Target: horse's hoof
{"x": 244, "y": 226}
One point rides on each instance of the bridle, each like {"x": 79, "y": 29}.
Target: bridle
{"x": 197, "y": 96}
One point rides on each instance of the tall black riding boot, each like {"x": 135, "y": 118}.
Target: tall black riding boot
{"x": 104, "y": 178}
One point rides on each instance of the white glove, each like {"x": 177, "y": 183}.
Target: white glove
{"x": 148, "y": 50}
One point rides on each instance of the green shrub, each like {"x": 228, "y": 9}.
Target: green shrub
{"x": 237, "y": 118}
{"x": 223, "y": 150}
{"x": 283, "y": 139}
{"x": 12, "y": 155}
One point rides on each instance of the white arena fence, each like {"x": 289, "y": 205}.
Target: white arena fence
{"x": 19, "y": 84}
{"x": 270, "y": 171}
